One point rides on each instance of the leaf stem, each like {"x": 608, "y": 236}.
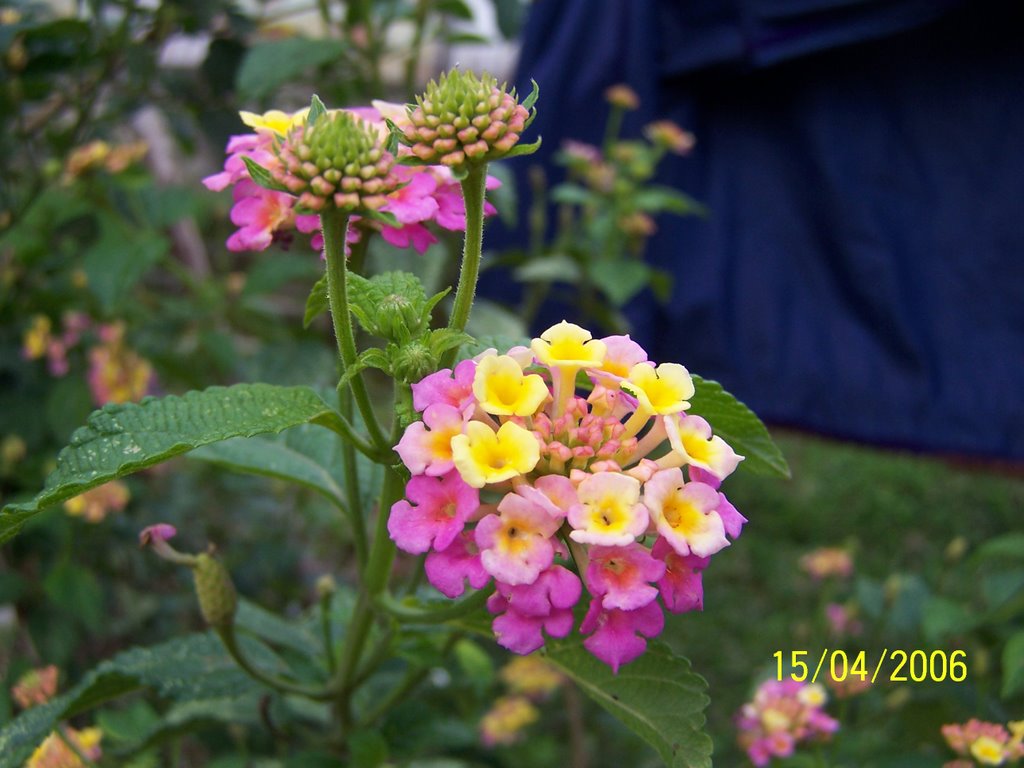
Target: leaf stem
{"x": 325, "y": 630}
{"x": 474, "y": 187}
{"x": 334, "y": 225}
{"x": 230, "y": 640}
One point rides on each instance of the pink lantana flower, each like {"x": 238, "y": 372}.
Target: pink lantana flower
{"x": 515, "y": 545}
{"x": 622, "y": 576}
{"x": 524, "y": 611}
{"x": 617, "y": 637}
{"x": 449, "y": 569}
{"x": 443, "y": 504}
{"x": 426, "y": 446}
{"x": 682, "y": 587}
{"x": 685, "y": 514}
{"x": 454, "y": 389}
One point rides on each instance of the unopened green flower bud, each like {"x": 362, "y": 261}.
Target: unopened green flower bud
{"x": 413, "y": 361}
{"x": 398, "y": 317}
{"x": 217, "y": 597}
{"x": 326, "y": 586}
{"x": 462, "y": 118}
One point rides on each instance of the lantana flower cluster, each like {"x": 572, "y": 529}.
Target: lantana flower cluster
{"x": 419, "y": 195}
{"x": 982, "y": 743}
{"x": 782, "y": 715}
{"x": 551, "y": 492}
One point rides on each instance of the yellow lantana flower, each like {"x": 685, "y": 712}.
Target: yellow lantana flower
{"x": 501, "y": 388}
{"x": 483, "y": 456}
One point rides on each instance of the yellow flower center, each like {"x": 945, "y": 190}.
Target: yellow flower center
{"x": 987, "y": 751}
{"x": 682, "y": 515}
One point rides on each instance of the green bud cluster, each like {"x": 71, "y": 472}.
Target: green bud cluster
{"x": 336, "y": 160}
{"x": 464, "y": 118}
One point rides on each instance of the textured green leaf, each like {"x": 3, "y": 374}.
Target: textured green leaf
{"x": 657, "y": 696}
{"x": 261, "y": 175}
{"x": 269, "y": 65}
{"x": 391, "y": 305}
{"x": 185, "y": 669}
{"x": 272, "y": 458}
{"x": 1013, "y": 666}
{"x": 317, "y": 303}
{"x": 738, "y": 426}
{"x": 124, "y": 438}
{"x": 316, "y": 110}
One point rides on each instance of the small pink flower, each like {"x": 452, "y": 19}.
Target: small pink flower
{"x": 527, "y": 611}
{"x": 555, "y": 494}
{"x": 681, "y": 587}
{"x": 618, "y": 636}
{"x": 161, "y": 532}
{"x": 443, "y": 504}
{"x": 448, "y": 570}
{"x": 444, "y": 387}
{"x": 259, "y": 213}
{"x": 686, "y": 514}
{"x": 621, "y": 576}
{"x": 415, "y": 236}
{"x": 426, "y": 446}
{"x": 414, "y": 202}
{"x": 515, "y": 545}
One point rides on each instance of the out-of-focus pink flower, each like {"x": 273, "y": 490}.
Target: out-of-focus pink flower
{"x": 95, "y": 504}
{"x": 825, "y": 562}
{"x": 782, "y": 715}
{"x": 37, "y": 686}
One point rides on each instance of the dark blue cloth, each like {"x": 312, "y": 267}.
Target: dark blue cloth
{"x": 862, "y": 271}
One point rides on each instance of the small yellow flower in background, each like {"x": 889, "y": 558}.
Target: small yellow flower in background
{"x": 54, "y": 753}
{"x": 668, "y": 135}
{"x": 505, "y": 721}
{"x": 531, "y": 676}
{"x": 484, "y": 456}
{"x": 94, "y": 505}
{"x": 502, "y": 389}
{"x": 37, "y": 338}
{"x": 12, "y": 450}
{"x": 275, "y": 120}
{"x": 37, "y": 686}
{"x": 622, "y": 96}
{"x": 9, "y": 16}
{"x": 99, "y": 154}
{"x": 117, "y": 374}
{"x": 988, "y": 751}
{"x": 827, "y": 561}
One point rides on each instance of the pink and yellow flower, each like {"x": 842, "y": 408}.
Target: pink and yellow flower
{"x": 781, "y": 716}
{"x": 571, "y": 497}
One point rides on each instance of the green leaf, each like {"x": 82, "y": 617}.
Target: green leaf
{"x": 655, "y": 199}
{"x": 316, "y": 110}
{"x": 457, "y": 8}
{"x": 124, "y": 438}
{"x": 547, "y": 269}
{"x": 270, "y": 458}
{"x": 657, "y": 696}
{"x": 185, "y": 669}
{"x": 119, "y": 259}
{"x": 1013, "y": 666}
{"x": 572, "y": 194}
{"x": 391, "y": 305}
{"x": 620, "y": 279}
{"x": 317, "y": 303}
{"x": 522, "y": 149}
{"x": 738, "y": 426}
{"x": 1008, "y": 547}
{"x": 267, "y": 66}
{"x": 531, "y": 98}
{"x": 261, "y": 175}
{"x": 76, "y": 591}
{"x": 942, "y": 617}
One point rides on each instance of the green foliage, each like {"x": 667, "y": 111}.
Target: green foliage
{"x": 193, "y": 669}
{"x": 121, "y": 439}
{"x": 657, "y": 696}
{"x": 269, "y": 65}
{"x": 738, "y": 426}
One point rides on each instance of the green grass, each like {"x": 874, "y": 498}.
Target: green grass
{"x": 897, "y": 512}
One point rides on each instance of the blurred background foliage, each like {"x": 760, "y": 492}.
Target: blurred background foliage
{"x": 115, "y": 283}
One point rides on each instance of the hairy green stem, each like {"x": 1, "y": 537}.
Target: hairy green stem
{"x": 325, "y": 630}
{"x": 473, "y": 190}
{"x": 230, "y": 640}
{"x": 334, "y": 225}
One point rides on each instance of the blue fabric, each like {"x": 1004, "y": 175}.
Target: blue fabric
{"x": 862, "y": 271}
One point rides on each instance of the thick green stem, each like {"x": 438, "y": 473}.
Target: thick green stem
{"x": 382, "y": 550}
{"x": 473, "y": 190}
{"x": 335, "y": 225}
{"x": 325, "y": 630}
{"x": 230, "y": 640}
